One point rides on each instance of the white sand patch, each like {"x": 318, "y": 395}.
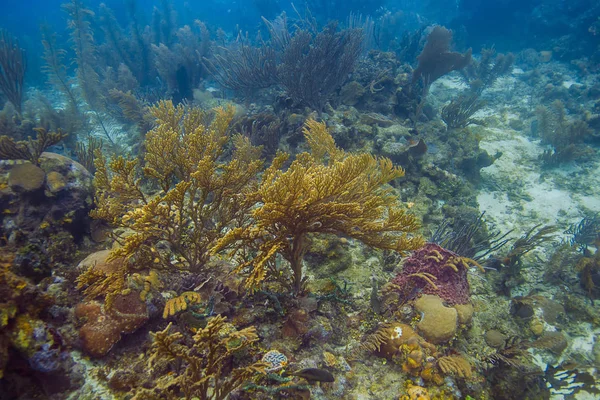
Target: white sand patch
{"x": 518, "y": 197}
{"x": 452, "y": 81}
{"x": 584, "y": 344}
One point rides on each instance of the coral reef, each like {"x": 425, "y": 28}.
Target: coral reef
{"x": 309, "y": 64}
{"x": 30, "y": 150}
{"x": 210, "y": 273}
{"x": 388, "y": 341}
{"x": 82, "y": 35}
{"x": 456, "y": 365}
{"x": 458, "y": 113}
{"x": 45, "y": 211}
{"x": 565, "y": 136}
{"x": 314, "y": 66}
{"x": 24, "y": 335}
{"x": 438, "y": 323}
{"x": 436, "y": 59}
{"x": 481, "y": 74}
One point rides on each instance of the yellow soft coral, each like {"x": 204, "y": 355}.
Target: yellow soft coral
{"x": 211, "y": 370}
{"x": 324, "y": 191}
{"x": 455, "y": 365}
{"x": 202, "y": 193}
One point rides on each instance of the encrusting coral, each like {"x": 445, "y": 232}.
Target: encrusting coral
{"x": 324, "y": 191}
{"x": 201, "y": 195}
{"x": 210, "y": 371}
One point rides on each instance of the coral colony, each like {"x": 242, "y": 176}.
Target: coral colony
{"x": 327, "y": 200}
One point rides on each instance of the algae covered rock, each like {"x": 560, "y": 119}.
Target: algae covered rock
{"x": 438, "y": 323}
{"x": 27, "y": 208}
{"x": 76, "y": 177}
{"x": 55, "y": 182}
{"x": 103, "y": 327}
{"x": 44, "y": 211}
{"x": 495, "y": 338}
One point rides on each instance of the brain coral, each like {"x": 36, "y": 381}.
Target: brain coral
{"x": 438, "y": 323}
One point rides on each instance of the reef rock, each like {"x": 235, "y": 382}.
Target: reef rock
{"x": 55, "y": 182}
{"x": 45, "y": 210}
{"x": 99, "y": 261}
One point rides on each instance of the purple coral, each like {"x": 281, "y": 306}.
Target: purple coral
{"x": 46, "y": 359}
{"x": 435, "y": 270}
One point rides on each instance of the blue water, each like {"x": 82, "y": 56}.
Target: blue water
{"x": 506, "y": 25}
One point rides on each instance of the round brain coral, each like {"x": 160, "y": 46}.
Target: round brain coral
{"x": 438, "y": 323}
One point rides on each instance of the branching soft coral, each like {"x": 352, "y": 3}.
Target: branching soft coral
{"x": 201, "y": 194}
{"x": 324, "y": 191}
{"x": 30, "y": 150}
{"x": 206, "y": 368}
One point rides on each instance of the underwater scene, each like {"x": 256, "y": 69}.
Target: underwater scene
{"x": 320, "y": 199}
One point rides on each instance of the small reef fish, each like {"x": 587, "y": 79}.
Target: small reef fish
{"x": 417, "y": 147}
{"x": 313, "y": 375}
{"x": 375, "y": 301}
